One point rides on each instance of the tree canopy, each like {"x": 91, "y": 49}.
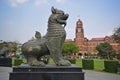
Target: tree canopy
{"x": 116, "y": 35}
{"x": 12, "y": 46}
{"x": 105, "y": 50}
{"x": 69, "y": 48}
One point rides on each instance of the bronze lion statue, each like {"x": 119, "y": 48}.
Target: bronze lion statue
{"x": 50, "y": 44}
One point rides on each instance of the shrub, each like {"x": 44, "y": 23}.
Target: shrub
{"x": 7, "y": 62}
{"x": 87, "y": 64}
{"x": 111, "y": 66}
{"x": 17, "y": 62}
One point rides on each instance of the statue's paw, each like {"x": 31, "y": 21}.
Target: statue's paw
{"x": 37, "y": 63}
{"x": 64, "y": 63}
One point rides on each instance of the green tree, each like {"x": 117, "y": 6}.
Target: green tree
{"x": 12, "y": 46}
{"x": 69, "y": 48}
{"x": 105, "y": 50}
{"x": 116, "y": 35}
{"x": 1, "y": 45}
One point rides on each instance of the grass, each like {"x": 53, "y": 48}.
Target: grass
{"x": 51, "y": 61}
{"x": 79, "y": 62}
{"x": 98, "y": 65}
{"x": 13, "y": 61}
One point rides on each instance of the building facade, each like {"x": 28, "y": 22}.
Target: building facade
{"x": 89, "y": 46}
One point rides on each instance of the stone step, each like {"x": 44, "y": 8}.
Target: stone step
{"x": 47, "y": 76}
{"x": 49, "y": 72}
{"x": 49, "y": 68}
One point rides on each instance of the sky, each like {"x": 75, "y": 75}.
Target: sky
{"x": 19, "y": 19}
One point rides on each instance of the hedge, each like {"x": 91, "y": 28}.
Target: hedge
{"x": 111, "y": 66}
{"x": 88, "y": 64}
{"x": 7, "y": 62}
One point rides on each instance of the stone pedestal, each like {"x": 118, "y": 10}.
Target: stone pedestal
{"x": 50, "y": 72}
{"x": 6, "y": 62}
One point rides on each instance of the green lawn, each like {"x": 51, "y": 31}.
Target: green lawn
{"x": 51, "y": 61}
{"x": 79, "y": 62}
{"x": 13, "y": 60}
{"x": 98, "y": 64}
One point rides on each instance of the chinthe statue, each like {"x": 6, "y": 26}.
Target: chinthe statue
{"x": 50, "y": 44}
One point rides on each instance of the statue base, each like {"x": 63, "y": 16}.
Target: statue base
{"x": 49, "y": 72}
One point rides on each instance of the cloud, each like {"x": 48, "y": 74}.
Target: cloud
{"x": 60, "y": 1}
{"x": 15, "y": 3}
{"x": 40, "y": 2}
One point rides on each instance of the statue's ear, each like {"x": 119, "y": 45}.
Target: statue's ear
{"x": 53, "y": 10}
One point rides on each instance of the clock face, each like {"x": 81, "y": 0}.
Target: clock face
{"x": 79, "y": 30}
{"x": 78, "y": 22}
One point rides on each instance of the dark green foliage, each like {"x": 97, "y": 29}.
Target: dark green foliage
{"x": 116, "y": 35}
{"x": 111, "y": 66}
{"x": 88, "y": 64}
{"x": 69, "y": 48}
{"x": 1, "y": 45}
{"x": 105, "y": 50}
{"x": 17, "y": 62}
{"x": 6, "y": 62}
{"x": 11, "y": 46}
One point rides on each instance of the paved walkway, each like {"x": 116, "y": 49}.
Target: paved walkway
{"x": 93, "y": 75}
{"x": 4, "y": 73}
{"x": 89, "y": 75}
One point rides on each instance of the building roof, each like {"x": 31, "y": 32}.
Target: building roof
{"x": 68, "y": 40}
{"x": 97, "y": 39}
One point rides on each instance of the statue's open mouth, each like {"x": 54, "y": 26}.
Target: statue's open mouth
{"x": 64, "y": 17}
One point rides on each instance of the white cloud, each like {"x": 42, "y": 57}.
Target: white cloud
{"x": 60, "y": 1}
{"x": 15, "y": 3}
{"x": 39, "y": 2}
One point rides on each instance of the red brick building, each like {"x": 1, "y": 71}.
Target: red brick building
{"x": 89, "y": 46}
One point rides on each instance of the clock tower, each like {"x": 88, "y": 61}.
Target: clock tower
{"x": 79, "y": 33}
